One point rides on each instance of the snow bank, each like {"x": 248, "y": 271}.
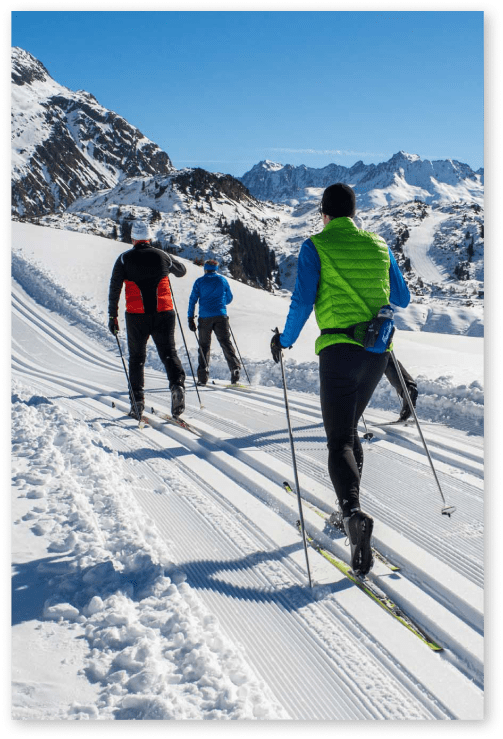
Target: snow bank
{"x": 154, "y": 651}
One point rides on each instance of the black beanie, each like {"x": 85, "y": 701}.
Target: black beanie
{"x": 339, "y": 201}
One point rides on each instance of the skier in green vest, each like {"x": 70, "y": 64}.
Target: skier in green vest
{"x": 351, "y": 278}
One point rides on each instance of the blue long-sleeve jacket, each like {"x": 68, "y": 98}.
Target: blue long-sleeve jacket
{"x": 213, "y": 293}
{"x": 306, "y": 286}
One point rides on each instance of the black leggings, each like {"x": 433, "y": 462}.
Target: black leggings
{"x": 348, "y": 377}
{"x": 161, "y": 327}
{"x": 220, "y": 325}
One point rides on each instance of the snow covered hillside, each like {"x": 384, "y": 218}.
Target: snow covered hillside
{"x": 159, "y": 573}
{"x": 440, "y": 249}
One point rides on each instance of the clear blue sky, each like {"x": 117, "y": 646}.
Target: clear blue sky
{"x": 224, "y": 90}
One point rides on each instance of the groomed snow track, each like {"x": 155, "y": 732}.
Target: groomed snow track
{"x": 329, "y": 653}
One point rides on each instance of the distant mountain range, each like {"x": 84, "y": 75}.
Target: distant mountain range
{"x": 402, "y": 178}
{"x": 81, "y": 167}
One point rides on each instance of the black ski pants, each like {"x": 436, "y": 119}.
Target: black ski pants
{"x": 220, "y": 325}
{"x": 394, "y": 380}
{"x": 348, "y": 377}
{"x": 161, "y": 327}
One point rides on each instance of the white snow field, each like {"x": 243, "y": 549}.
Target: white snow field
{"x": 159, "y": 573}
{"x": 417, "y": 247}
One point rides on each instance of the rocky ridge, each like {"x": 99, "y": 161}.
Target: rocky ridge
{"x": 65, "y": 144}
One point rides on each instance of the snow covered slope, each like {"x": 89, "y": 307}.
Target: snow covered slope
{"x": 159, "y": 574}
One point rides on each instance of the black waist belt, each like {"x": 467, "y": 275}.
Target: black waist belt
{"x": 350, "y": 331}
{"x": 365, "y": 333}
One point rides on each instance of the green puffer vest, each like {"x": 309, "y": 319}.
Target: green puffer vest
{"x": 354, "y": 278}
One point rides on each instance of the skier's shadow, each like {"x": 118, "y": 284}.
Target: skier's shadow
{"x": 204, "y": 575}
{"x": 31, "y": 588}
{"x": 33, "y": 583}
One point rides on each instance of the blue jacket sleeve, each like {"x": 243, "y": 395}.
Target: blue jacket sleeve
{"x": 399, "y": 292}
{"x": 228, "y": 293}
{"x": 194, "y": 297}
{"x": 304, "y": 294}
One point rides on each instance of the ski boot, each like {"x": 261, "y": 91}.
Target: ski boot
{"x": 406, "y": 411}
{"x": 177, "y": 400}
{"x": 235, "y": 376}
{"x": 136, "y": 410}
{"x": 358, "y": 527}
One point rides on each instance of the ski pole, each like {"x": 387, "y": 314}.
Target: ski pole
{"x": 447, "y": 510}
{"x": 131, "y": 394}
{"x": 294, "y": 462}
{"x": 240, "y": 357}
{"x": 368, "y": 435}
{"x": 185, "y": 343}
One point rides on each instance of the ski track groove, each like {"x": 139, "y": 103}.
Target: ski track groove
{"x": 262, "y": 579}
{"x": 394, "y": 512}
{"x": 464, "y": 564}
{"x": 344, "y": 684}
{"x": 270, "y": 574}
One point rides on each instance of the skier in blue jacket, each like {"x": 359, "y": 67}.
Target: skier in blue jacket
{"x": 214, "y": 295}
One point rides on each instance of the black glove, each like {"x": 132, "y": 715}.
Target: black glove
{"x": 276, "y": 348}
{"x": 113, "y": 325}
{"x": 192, "y": 324}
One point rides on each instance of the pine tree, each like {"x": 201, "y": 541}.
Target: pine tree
{"x": 126, "y": 226}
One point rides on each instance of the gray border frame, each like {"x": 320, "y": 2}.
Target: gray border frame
{"x": 492, "y": 158}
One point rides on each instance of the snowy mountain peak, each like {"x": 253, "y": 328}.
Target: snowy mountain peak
{"x": 403, "y": 155}
{"x": 26, "y": 69}
{"x": 66, "y": 145}
{"x": 266, "y": 165}
{"x": 270, "y": 166}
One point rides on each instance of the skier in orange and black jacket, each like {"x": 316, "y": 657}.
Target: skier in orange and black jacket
{"x": 149, "y": 312}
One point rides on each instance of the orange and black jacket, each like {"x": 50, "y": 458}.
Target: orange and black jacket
{"x": 145, "y": 270}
